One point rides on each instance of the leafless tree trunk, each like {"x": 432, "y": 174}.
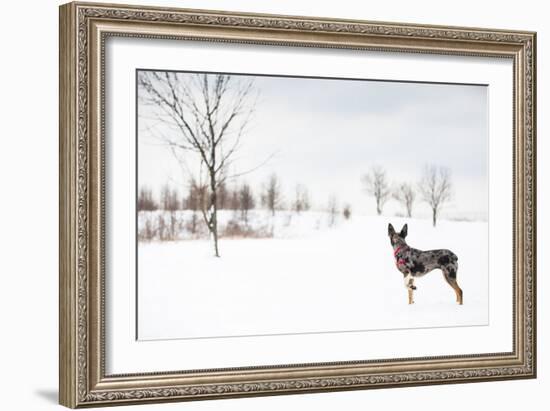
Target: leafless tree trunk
{"x": 376, "y": 184}
{"x": 246, "y": 200}
{"x": 435, "y": 188}
{"x": 301, "y": 200}
{"x": 271, "y": 196}
{"x": 405, "y": 195}
{"x": 204, "y": 114}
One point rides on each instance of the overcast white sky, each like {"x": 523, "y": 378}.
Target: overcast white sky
{"x": 327, "y": 133}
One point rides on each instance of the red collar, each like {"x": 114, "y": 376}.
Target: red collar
{"x": 397, "y": 251}
{"x": 399, "y": 261}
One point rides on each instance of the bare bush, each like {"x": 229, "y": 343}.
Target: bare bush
{"x": 167, "y": 226}
{"x": 192, "y": 224}
{"x": 346, "y": 212}
{"x": 238, "y": 229}
{"x": 175, "y": 224}
{"x": 147, "y": 231}
{"x": 161, "y": 228}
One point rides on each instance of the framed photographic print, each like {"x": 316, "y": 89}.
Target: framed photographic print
{"x": 259, "y": 204}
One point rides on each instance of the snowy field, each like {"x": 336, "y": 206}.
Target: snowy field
{"x": 307, "y": 278}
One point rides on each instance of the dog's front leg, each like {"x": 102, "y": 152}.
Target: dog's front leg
{"x": 411, "y": 299}
{"x": 409, "y": 285}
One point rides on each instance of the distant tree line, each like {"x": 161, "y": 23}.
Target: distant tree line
{"x": 434, "y": 188}
{"x": 240, "y": 198}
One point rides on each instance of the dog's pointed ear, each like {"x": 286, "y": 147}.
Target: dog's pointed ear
{"x": 403, "y": 232}
{"x": 391, "y": 230}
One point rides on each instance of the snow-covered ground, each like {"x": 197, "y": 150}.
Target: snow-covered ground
{"x": 307, "y": 278}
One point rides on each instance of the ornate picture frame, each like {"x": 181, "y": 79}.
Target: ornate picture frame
{"x": 84, "y": 29}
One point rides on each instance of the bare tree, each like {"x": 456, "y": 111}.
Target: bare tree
{"x": 223, "y": 196}
{"x": 332, "y": 210}
{"x": 435, "y": 188}
{"x": 246, "y": 201}
{"x": 234, "y": 201}
{"x": 376, "y": 184}
{"x": 204, "y": 114}
{"x": 195, "y": 197}
{"x": 301, "y": 199}
{"x": 405, "y": 195}
{"x": 272, "y": 196}
{"x": 169, "y": 198}
{"x": 145, "y": 201}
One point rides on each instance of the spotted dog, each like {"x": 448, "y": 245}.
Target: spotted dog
{"x": 415, "y": 263}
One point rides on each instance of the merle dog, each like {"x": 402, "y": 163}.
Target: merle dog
{"x": 415, "y": 263}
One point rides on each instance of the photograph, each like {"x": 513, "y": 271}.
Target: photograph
{"x": 280, "y": 205}
{"x": 261, "y": 203}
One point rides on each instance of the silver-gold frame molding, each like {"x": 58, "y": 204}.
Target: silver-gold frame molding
{"x": 83, "y": 30}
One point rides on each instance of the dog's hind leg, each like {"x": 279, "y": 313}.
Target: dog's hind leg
{"x": 411, "y": 299}
{"x": 450, "y": 276}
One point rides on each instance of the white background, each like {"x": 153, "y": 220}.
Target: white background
{"x": 28, "y": 166}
